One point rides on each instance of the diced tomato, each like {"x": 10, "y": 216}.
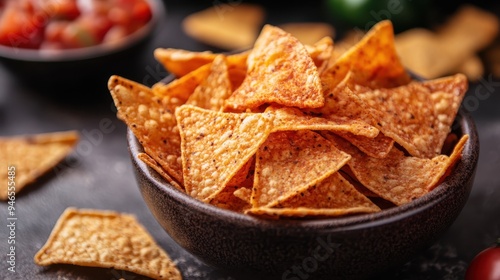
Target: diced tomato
{"x": 141, "y": 12}
{"x": 52, "y": 24}
{"x": 18, "y": 29}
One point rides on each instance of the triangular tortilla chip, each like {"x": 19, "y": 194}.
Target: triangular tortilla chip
{"x": 181, "y": 62}
{"x": 153, "y": 164}
{"x": 215, "y": 89}
{"x": 288, "y": 118}
{"x": 378, "y": 147}
{"x": 30, "y": 156}
{"x": 334, "y": 196}
{"x": 373, "y": 60}
{"x": 290, "y": 162}
{"x": 418, "y": 116}
{"x": 397, "y": 178}
{"x": 216, "y": 145}
{"x": 98, "y": 238}
{"x": 153, "y": 125}
{"x": 184, "y": 86}
{"x": 280, "y": 70}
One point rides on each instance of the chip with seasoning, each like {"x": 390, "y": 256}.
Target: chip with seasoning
{"x": 280, "y": 71}
{"x": 287, "y": 130}
{"x": 108, "y": 239}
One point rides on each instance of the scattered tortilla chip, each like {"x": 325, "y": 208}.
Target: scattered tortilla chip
{"x": 229, "y": 26}
{"x": 396, "y": 178}
{"x": 280, "y": 70}
{"x": 32, "y": 156}
{"x": 154, "y": 126}
{"x": 153, "y": 164}
{"x": 309, "y": 32}
{"x": 216, "y": 145}
{"x": 334, "y": 196}
{"x": 215, "y": 89}
{"x": 373, "y": 60}
{"x": 287, "y": 118}
{"x": 290, "y": 162}
{"x": 107, "y": 239}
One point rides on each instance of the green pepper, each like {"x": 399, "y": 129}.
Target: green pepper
{"x": 364, "y": 14}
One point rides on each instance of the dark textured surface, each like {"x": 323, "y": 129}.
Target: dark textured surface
{"x": 100, "y": 174}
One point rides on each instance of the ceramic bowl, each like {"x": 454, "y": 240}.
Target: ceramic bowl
{"x": 353, "y": 247}
{"x": 81, "y": 66}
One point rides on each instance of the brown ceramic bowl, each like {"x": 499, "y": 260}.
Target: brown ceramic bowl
{"x": 352, "y": 247}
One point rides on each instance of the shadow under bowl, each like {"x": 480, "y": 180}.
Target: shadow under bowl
{"x": 354, "y": 247}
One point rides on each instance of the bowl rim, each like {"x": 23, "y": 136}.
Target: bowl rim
{"x": 461, "y": 173}
{"x": 100, "y": 50}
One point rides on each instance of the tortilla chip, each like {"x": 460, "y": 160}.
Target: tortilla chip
{"x": 373, "y": 60}
{"x": 377, "y": 147}
{"x": 287, "y": 118}
{"x": 32, "y": 156}
{"x": 184, "y": 86}
{"x": 334, "y": 196}
{"x": 290, "y": 162}
{"x": 244, "y": 194}
{"x": 181, "y": 62}
{"x": 418, "y": 116}
{"x": 107, "y": 239}
{"x": 154, "y": 126}
{"x": 321, "y": 51}
{"x": 216, "y": 145}
{"x": 153, "y": 164}
{"x": 215, "y": 89}
{"x": 396, "y": 178}
{"x": 226, "y": 26}
{"x": 280, "y": 70}
{"x": 309, "y": 33}
{"x": 227, "y": 200}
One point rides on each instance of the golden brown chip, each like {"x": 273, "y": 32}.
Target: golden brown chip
{"x": 244, "y": 194}
{"x": 107, "y": 239}
{"x": 227, "y": 26}
{"x": 180, "y": 62}
{"x": 290, "y": 162}
{"x": 377, "y": 147}
{"x": 154, "y": 126}
{"x": 25, "y": 158}
{"x": 184, "y": 86}
{"x": 288, "y": 118}
{"x": 215, "y": 89}
{"x": 153, "y": 164}
{"x": 396, "y": 178}
{"x": 216, "y": 145}
{"x": 418, "y": 116}
{"x": 309, "y": 33}
{"x": 373, "y": 61}
{"x": 334, "y": 196}
{"x": 321, "y": 52}
{"x": 280, "y": 70}
{"x": 227, "y": 200}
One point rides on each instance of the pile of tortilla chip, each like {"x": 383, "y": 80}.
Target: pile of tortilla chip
{"x": 293, "y": 130}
